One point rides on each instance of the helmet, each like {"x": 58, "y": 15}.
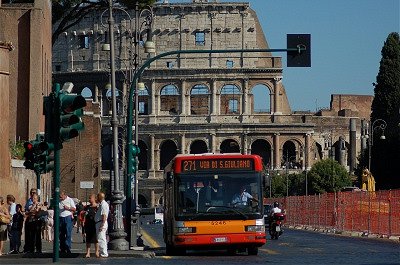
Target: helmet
{"x": 276, "y": 204}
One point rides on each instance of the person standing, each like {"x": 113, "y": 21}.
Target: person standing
{"x": 28, "y": 203}
{"x": 35, "y": 226}
{"x": 49, "y": 224}
{"x": 3, "y": 226}
{"x": 16, "y": 230}
{"x": 12, "y": 211}
{"x": 67, "y": 208}
{"x": 101, "y": 224}
{"x": 89, "y": 226}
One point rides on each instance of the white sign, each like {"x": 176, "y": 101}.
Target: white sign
{"x": 87, "y": 184}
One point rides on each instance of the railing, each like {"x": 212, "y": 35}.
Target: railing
{"x": 366, "y": 212}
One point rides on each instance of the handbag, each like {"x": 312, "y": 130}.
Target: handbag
{"x": 4, "y": 220}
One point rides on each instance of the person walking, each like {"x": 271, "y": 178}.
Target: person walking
{"x": 101, "y": 224}
{"x": 67, "y": 208}
{"x": 89, "y": 226}
{"x": 16, "y": 230}
{"x": 3, "y": 225}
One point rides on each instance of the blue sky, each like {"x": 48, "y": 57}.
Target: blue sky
{"x": 346, "y": 38}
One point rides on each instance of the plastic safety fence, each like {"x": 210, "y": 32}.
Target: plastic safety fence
{"x": 369, "y": 212}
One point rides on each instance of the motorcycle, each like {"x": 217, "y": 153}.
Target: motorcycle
{"x": 275, "y": 228}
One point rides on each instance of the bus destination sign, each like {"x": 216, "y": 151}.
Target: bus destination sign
{"x": 217, "y": 164}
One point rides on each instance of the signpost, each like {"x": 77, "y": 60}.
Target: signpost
{"x": 86, "y": 185}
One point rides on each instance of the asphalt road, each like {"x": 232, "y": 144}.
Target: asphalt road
{"x": 294, "y": 247}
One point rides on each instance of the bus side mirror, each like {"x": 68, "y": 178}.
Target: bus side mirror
{"x": 170, "y": 178}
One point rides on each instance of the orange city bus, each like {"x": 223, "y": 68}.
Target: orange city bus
{"x": 205, "y": 203}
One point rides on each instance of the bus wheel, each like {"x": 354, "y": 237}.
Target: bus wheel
{"x": 253, "y": 251}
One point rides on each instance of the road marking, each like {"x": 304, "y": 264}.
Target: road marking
{"x": 153, "y": 243}
{"x": 269, "y": 251}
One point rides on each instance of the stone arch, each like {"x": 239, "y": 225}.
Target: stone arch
{"x": 262, "y": 148}
{"x": 340, "y": 152}
{"x": 230, "y": 99}
{"x": 290, "y": 154}
{"x": 168, "y": 150}
{"x": 198, "y": 147}
{"x": 260, "y": 99}
{"x": 87, "y": 92}
{"x": 199, "y": 100}
{"x": 318, "y": 154}
{"x": 143, "y": 99}
{"x": 142, "y": 201}
{"x": 143, "y": 156}
{"x": 161, "y": 200}
{"x": 169, "y": 99}
{"x": 229, "y": 146}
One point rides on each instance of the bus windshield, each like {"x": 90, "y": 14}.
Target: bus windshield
{"x": 219, "y": 196}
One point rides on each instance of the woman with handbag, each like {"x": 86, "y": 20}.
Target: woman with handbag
{"x": 4, "y": 221}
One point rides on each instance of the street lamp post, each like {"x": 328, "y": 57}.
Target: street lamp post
{"x": 378, "y": 124}
{"x": 117, "y": 233}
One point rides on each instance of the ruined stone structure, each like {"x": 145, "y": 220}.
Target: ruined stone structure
{"x": 197, "y": 103}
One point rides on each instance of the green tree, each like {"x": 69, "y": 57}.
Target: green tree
{"x": 327, "y": 176}
{"x": 68, "y": 13}
{"x": 386, "y": 106}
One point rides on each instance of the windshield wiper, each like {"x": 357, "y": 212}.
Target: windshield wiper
{"x": 229, "y": 208}
{"x": 199, "y": 215}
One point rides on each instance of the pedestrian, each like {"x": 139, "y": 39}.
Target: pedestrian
{"x": 67, "y": 209}
{"x": 49, "y": 224}
{"x": 12, "y": 210}
{"x": 101, "y": 224}
{"x": 16, "y": 230}
{"x": 79, "y": 208}
{"x": 35, "y": 224}
{"x": 5, "y": 217}
{"x": 89, "y": 226}
{"x": 28, "y": 237}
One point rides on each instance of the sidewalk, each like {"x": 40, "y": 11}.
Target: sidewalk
{"x": 78, "y": 251}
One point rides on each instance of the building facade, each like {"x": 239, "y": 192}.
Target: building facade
{"x": 199, "y": 103}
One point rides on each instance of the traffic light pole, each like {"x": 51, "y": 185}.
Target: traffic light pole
{"x": 37, "y": 173}
{"x": 132, "y": 173}
{"x": 56, "y": 199}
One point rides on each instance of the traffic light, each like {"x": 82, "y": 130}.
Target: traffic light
{"x": 134, "y": 152}
{"x": 70, "y": 115}
{"x": 49, "y": 114}
{"x": 45, "y": 158}
{"x": 29, "y": 156}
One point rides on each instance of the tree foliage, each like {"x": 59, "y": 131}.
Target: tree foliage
{"x": 386, "y": 106}
{"x": 68, "y": 13}
{"x": 327, "y": 176}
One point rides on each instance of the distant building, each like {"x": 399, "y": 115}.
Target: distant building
{"x": 204, "y": 102}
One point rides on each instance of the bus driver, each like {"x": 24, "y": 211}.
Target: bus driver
{"x": 242, "y": 197}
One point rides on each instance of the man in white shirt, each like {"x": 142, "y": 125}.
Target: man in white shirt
{"x": 276, "y": 209}
{"x": 67, "y": 208}
{"x": 101, "y": 224}
{"x": 242, "y": 197}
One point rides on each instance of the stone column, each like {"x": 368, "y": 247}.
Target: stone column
{"x": 152, "y": 154}
{"x": 213, "y": 97}
{"x": 183, "y": 98}
{"x": 277, "y": 100}
{"x": 277, "y": 157}
{"x": 307, "y": 152}
{"x": 152, "y": 199}
{"x": 152, "y": 97}
{"x": 245, "y": 140}
{"x": 245, "y": 103}
{"x": 183, "y": 143}
{"x": 213, "y": 143}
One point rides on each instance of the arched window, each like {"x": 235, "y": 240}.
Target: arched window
{"x": 289, "y": 156}
{"x": 143, "y": 96}
{"x": 260, "y": 100}
{"x": 86, "y": 92}
{"x": 168, "y": 150}
{"x": 198, "y": 147}
{"x": 142, "y": 155}
{"x": 230, "y": 99}
{"x": 169, "y": 97}
{"x": 199, "y": 100}
{"x": 229, "y": 146}
{"x": 262, "y": 148}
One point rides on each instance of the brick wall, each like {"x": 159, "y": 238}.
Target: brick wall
{"x": 80, "y": 157}
{"x": 360, "y": 105}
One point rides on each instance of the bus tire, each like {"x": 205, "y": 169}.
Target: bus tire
{"x": 252, "y": 251}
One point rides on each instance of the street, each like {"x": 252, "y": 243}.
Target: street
{"x": 294, "y": 247}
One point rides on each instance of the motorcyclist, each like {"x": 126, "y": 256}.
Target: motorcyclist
{"x": 275, "y": 209}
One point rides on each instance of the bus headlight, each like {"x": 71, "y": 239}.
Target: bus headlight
{"x": 185, "y": 230}
{"x": 255, "y": 228}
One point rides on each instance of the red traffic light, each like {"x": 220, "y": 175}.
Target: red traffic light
{"x": 28, "y": 146}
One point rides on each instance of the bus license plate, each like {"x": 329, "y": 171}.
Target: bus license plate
{"x": 220, "y": 239}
